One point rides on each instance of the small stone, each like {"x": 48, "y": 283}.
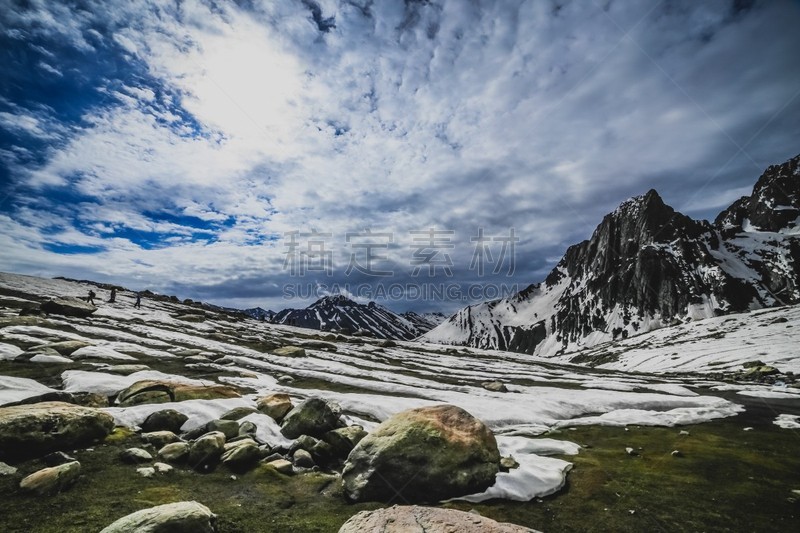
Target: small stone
{"x": 147, "y": 471}
{"x": 495, "y": 386}
{"x": 247, "y": 429}
{"x": 281, "y": 465}
{"x": 52, "y": 480}
{"x": 162, "y": 468}
{"x": 747, "y": 429}
{"x": 508, "y": 463}
{"x": 285, "y": 379}
{"x": 302, "y": 459}
{"x": 135, "y": 455}
{"x": 631, "y": 451}
{"x": 159, "y": 439}
{"x": 7, "y": 470}
{"x": 684, "y": 432}
{"x": 174, "y": 452}
{"x": 676, "y": 453}
{"x": 290, "y": 351}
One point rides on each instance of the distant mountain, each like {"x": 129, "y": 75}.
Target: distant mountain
{"x": 647, "y": 266}
{"x": 259, "y": 313}
{"x": 424, "y": 322}
{"x": 339, "y": 313}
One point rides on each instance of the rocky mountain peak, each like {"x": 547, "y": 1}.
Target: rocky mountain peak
{"x": 773, "y": 206}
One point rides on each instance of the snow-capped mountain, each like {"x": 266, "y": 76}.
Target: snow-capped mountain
{"x": 647, "y": 266}
{"x": 424, "y": 322}
{"x": 259, "y": 314}
{"x": 339, "y": 313}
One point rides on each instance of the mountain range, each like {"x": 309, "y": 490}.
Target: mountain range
{"x": 341, "y": 314}
{"x": 647, "y": 266}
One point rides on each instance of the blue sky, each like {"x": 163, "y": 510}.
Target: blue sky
{"x": 174, "y": 145}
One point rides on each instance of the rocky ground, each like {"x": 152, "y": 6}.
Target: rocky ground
{"x": 176, "y": 415}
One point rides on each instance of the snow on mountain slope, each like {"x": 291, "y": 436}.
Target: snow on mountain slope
{"x": 339, "y": 313}
{"x": 647, "y": 266}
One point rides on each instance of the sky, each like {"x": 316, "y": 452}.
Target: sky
{"x": 423, "y": 154}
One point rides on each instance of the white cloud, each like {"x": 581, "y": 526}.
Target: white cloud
{"x": 447, "y": 114}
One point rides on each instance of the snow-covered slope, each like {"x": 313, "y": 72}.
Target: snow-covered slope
{"x": 647, "y": 266}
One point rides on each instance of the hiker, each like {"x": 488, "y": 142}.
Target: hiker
{"x": 113, "y": 297}
{"x": 90, "y": 298}
{"x": 138, "y": 303}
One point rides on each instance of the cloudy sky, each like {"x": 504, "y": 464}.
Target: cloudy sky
{"x": 240, "y": 151}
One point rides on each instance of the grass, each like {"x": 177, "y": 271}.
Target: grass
{"x": 726, "y": 479}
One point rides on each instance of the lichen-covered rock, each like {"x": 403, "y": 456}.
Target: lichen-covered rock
{"x": 68, "y": 306}
{"x": 275, "y": 405}
{"x": 230, "y": 428}
{"x": 206, "y": 450}
{"x": 415, "y": 519}
{"x": 180, "y": 517}
{"x": 302, "y": 459}
{"x": 343, "y": 440}
{"x": 238, "y": 413}
{"x": 157, "y": 391}
{"x": 281, "y": 465}
{"x": 241, "y": 454}
{"x": 313, "y": 416}
{"x": 164, "y": 420}
{"x": 135, "y": 456}
{"x": 174, "y": 452}
{"x": 426, "y": 454}
{"x": 159, "y": 439}
{"x": 38, "y": 429}
{"x": 53, "y": 479}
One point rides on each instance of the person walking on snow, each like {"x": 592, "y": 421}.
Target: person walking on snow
{"x": 90, "y": 298}
{"x": 138, "y": 303}
{"x": 113, "y": 297}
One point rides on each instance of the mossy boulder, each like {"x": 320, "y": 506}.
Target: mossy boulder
{"x": 423, "y": 455}
{"x": 38, "y": 429}
{"x": 313, "y": 416}
{"x": 168, "y": 518}
{"x": 157, "y": 391}
{"x": 206, "y": 450}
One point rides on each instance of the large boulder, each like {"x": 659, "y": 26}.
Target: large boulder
{"x": 275, "y": 405}
{"x": 38, "y": 429}
{"x": 157, "y": 391}
{"x": 53, "y": 479}
{"x": 68, "y": 306}
{"x": 180, "y": 517}
{"x": 313, "y": 416}
{"x": 415, "y": 519}
{"x": 426, "y": 454}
